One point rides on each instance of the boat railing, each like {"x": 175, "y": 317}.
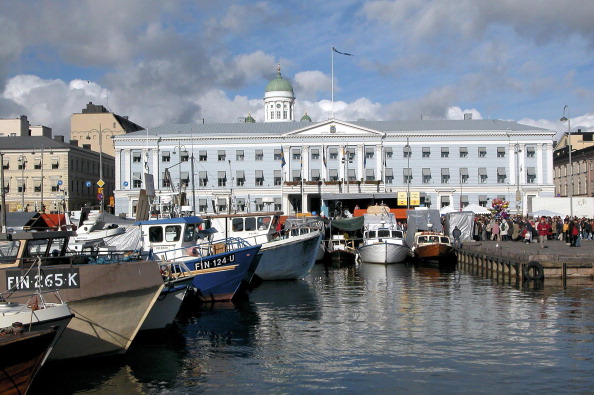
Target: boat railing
{"x": 202, "y": 250}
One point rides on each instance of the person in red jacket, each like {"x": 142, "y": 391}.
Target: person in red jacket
{"x": 543, "y": 229}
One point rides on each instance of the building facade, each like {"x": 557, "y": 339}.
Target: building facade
{"x": 328, "y": 166}
{"x": 39, "y": 172}
{"x": 577, "y": 176}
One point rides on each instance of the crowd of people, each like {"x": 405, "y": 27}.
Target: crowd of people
{"x": 519, "y": 228}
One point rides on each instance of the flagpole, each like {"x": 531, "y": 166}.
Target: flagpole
{"x": 332, "y": 70}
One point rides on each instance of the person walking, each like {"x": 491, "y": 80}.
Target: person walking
{"x": 543, "y": 229}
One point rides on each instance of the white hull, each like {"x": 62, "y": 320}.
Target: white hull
{"x": 289, "y": 259}
{"x": 384, "y": 252}
{"x": 167, "y": 306}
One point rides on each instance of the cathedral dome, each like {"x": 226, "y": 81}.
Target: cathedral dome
{"x": 279, "y": 83}
{"x": 305, "y": 118}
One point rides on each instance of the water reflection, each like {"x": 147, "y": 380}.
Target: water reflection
{"x": 382, "y": 328}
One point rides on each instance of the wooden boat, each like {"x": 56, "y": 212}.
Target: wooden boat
{"x": 110, "y": 301}
{"x": 21, "y": 356}
{"x": 286, "y": 254}
{"x": 433, "y": 247}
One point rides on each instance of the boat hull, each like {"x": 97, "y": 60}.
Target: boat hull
{"x": 438, "y": 253}
{"x": 218, "y": 277}
{"x": 21, "y": 356}
{"x": 384, "y": 253}
{"x": 289, "y": 259}
{"x": 343, "y": 257}
{"x": 109, "y": 301}
{"x": 167, "y": 306}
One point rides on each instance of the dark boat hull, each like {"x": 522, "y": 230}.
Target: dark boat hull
{"x": 21, "y": 356}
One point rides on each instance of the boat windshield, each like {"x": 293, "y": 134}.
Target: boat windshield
{"x": 9, "y": 249}
{"x": 383, "y": 233}
{"x": 445, "y": 239}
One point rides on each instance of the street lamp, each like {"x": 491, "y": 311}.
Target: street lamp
{"x": 407, "y": 148}
{"x": 570, "y": 192}
{"x": 22, "y": 160}
{"x": 100, "y": 183}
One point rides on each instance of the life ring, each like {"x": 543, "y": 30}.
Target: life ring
{"x": 533, "y": 271}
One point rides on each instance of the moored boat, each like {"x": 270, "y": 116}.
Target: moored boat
{"x": 383, "y": 241}
{"x": 21, "y": 356}
{"x": 110, "y": 301}
{"x": 344, "y": 236}
{"x": 433, "y": 247}
{"x": 286, "y": 254}
{"x": 183, "y": 249}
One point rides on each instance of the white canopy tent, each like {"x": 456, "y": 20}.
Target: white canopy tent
{"x": 475, "y": 208}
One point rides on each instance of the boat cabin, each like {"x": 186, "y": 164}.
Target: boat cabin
{"x": 256, "y": 228}
{"x": 22, "y": 248}
{"x": 383, "y": 233}
{"x": 171, "y": 233}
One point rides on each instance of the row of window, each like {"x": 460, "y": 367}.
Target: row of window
{"x": 332, "y": 154}
{"x": 240, "y": 177}
{"x": 22, "y": 164}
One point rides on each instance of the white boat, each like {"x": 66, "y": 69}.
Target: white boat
{"x": 301, "y": 225}
{"x": 36, "y": 314}
{"x": 286, "y": 254}
{"x": 383, "y": 241}
{"x": 110, "y": 301}
{"x": 95, "y": 228}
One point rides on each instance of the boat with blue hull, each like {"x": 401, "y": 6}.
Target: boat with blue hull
{"x": 217, "y": 268}
{"x": 184, "y": 249}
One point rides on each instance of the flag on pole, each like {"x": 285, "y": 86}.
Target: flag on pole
{"x": 342, "y": 53}
{"x": 324, "y": 157}
{"x": 282, "y": 157}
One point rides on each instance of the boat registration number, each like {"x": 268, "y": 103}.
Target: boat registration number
{"x": 215, "y": 262}
{"x": 66, "y": 278}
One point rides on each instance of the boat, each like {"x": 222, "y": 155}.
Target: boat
{"x": 94, "y": 227}
{"x": 383, "y": 242}
{"x": 286, "y": 254}
{"x": 305, "y": 224}
{"x": 35, "y": 314}
{"x": 341, "y": 247}
{"x": 22, "y": 354}
{"x": 428, "y": 242}
{"x": 183, "y": 249}
{"x": 430, "y": 246}
{"x": 110, "y": 301}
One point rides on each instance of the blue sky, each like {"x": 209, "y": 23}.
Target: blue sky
{"x": 184, "y": 61}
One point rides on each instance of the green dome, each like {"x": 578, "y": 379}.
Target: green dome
{"x": 305, "y": 118}
{"x": 250, "y": 119}
{"x": 279, "y": 83}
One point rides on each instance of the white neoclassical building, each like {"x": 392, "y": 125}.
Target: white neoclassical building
{"x": 306, "y": 166}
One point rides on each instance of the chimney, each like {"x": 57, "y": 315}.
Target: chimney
{"x": 467, "y": 115}
{"x": 59, "y": 138}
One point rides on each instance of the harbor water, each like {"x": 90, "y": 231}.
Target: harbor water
{"x": 397, "y": 328}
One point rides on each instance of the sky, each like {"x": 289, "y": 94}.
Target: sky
{"x": 163, "y": 62}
